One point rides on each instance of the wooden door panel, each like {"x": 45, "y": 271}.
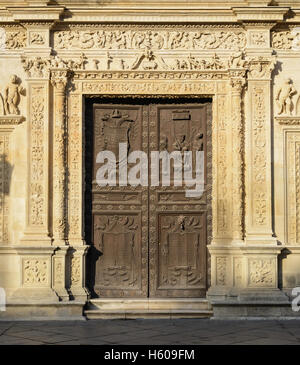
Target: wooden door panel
{"x": 151, "y": 241}
{"x": 177, "y": 224}
{"x": 120, "y": 213}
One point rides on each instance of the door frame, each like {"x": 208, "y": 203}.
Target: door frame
{"x": 225, "y": 88}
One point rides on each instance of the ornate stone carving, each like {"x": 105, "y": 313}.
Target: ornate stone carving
{"x": 37, "y": 157}
{"x": 37, "y": 38}
{"x": 223, "y": 204}
{"x": 123, "y": 87}
{"x": 75, "y": 166}
{"x": 292, "y": 160}
{"x": 236, "y": 60}
{"x": 15, "y": 39}
{"x": 261, "y": 272}
{"x": 221, "y": 263}
{"x": 286, "y": 40}
{"x": 192, "y": 63}
{"x": 284, "y": 98}
{"x": 35, "y": 272}
{"x": 2, "y": 39}
{"x": 261, "y": 67}
{"x": 146, "y": 39}
{"x": 238, "y": 158}
{"x": 12, "y": 94}
{"x": 259, "y": 39}
{"x": 35, "y": 67}
{"x": 259, "y": 156}
{"x": 76, "y": 271}
{"x": 59, "y": 81}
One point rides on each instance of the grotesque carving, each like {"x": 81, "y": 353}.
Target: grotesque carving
{"x": 236, "y": 60}
{"x": 284, "y": 97}
{"x": 12, "y": 96}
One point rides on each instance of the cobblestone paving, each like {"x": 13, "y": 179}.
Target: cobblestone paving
{"x": 151, "y": 332}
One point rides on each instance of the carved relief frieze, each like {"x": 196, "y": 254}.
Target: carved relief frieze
{"x": 15, "y": 39}
{"x": 162, "y": 39}
{"x": 286, "y": 39}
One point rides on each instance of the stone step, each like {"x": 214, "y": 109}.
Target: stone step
{"x": 148, "y": 308}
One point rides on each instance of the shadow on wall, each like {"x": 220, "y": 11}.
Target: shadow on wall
{"x": 6, "y": 170}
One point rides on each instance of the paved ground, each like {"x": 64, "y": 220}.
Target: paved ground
{"x": 151, "y": 332}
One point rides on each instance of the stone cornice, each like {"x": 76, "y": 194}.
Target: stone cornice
{"x": 260, "y": 13}
{"x": 156, "y": 13}
{"x": 38, "y": 13}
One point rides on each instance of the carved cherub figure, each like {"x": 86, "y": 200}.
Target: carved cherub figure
{"x": 284, "y": 97}
{"x": 12, "y": 94}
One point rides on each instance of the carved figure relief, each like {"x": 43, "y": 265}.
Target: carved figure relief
{"x": 284, "y": 98}
{"x": 146, "y": 39}
{"x": 12, "y": 94}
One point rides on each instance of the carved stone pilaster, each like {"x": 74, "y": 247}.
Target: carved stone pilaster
{"x": 59, "y": 79}
{"x": 7, "y": 125}
{"x": 237, "y": 82}
{"x": 59, "y": 271}
{"x": 37, "y": 221}
{"x": 258, "y": 152}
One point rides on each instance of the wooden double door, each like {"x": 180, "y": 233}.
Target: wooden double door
{"x": 151, "y": 240}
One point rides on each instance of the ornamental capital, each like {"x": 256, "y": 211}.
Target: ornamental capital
{"x": 261, "y": 67}
{"x": 59, "y": 79}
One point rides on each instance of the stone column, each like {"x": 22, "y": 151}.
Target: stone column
{"x": 237, "y": 81}
{"x": 59, "y": 78}
{"x": 59, "y": 81}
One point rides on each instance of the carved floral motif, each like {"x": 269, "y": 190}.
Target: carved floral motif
{"x": 37, "y": 173}
{"x": 261, "y": 272}
{"x": 15, "y": 39}
{"x": 221, "y": 263}
{"x": 35, "y": 272}
{"x": 75, "y": 271}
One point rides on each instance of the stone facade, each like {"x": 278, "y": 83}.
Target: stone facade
{"x": 241, "y": 54}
